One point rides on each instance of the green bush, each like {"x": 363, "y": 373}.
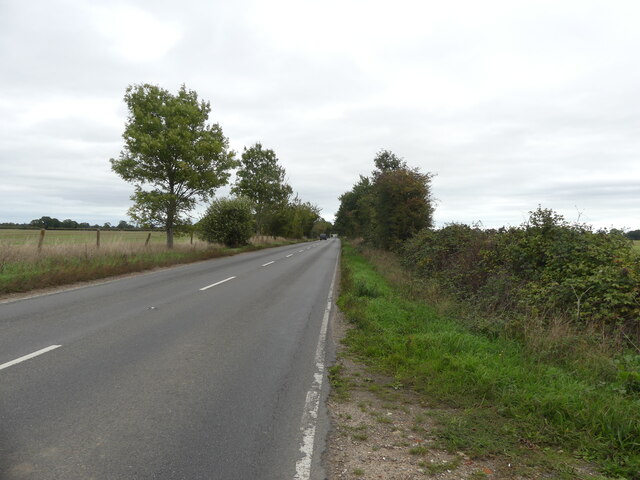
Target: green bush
{"x": 544, "y": 267}
{"x": 228, "y": 221}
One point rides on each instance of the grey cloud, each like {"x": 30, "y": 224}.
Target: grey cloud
{"x": 530, "y": 106}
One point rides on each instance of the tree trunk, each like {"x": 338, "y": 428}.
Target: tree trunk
{"x": 169, "y": 237}
{"x": 171, "y": 217}
{"x": 169, "y": 228}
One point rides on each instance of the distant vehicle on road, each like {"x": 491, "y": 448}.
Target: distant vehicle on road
{"x": 323, "y": 236}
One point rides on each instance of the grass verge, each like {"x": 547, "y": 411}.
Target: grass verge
{"x": 506, "y": 401}
{"x": 62, "y": 265}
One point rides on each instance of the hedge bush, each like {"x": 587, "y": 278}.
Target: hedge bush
{"x": 228, "y": 221}
{"x": 547, "y": 266}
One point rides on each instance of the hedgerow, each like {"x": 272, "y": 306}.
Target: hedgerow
{"x": 545, "y": 267}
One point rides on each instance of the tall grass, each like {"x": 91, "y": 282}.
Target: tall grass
{"x": 511, "y": 402}
{"x": 25, "y": 267}
{"x": 27, "y": 237}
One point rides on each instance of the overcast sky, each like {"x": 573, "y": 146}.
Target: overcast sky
{"x": 510, "y": 103}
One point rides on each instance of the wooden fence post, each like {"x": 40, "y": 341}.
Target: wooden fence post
{"x": 98, "y": 238}
{"x": 192, "y": 237}
{"x": 41, "y": 239}
{"x": 146, "y": 242}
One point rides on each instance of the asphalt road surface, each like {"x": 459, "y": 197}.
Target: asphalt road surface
{"x": 206, "y": 371}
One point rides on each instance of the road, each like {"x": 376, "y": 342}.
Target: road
{"x": 206, "y": 371}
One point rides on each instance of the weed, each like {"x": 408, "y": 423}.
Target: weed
{"x": 436, "y": 468}
{"x": 419, "y": 450}
{"x": 340, "y": 385}
{"x": 383, "y": 419}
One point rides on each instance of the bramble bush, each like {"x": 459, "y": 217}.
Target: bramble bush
{"x": 545, "y": 267}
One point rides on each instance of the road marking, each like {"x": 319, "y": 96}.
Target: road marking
{"x": 28, "y": 357}
{"x": 312, "y": 403}
{"x": 300, "y": 251}
{"x": 290, "y": 255}
{"x": 217, "y": 283}
{"x": 268, "y": 263}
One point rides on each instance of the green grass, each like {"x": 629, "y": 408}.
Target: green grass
{"x": 436, "y": 468}
{"x": 340, "y": 385}
{"x": 508, "y": 403}
{"x": 419, "y": 450}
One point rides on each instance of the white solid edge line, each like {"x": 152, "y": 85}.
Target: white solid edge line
{"x": 217, "y": 283}
{"x": 312, "y": 402}
{"x": 28, "y": 357}
{"x": 268, "y": 263}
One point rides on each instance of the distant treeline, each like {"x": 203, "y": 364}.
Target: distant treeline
{"x": 49, "y": 223}
{"x": 633, "y": 235}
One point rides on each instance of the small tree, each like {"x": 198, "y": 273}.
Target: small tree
{"x": 170, "y": 149}
{"x": 228, "y": 221}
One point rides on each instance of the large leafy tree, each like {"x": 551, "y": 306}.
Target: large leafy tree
{"x": 402, "y": 206}
{"x": 262, "y": 180}
{"x": 171, "y": 155}
{"x": 354, "y": 217}
{"x": 390, "y": 206}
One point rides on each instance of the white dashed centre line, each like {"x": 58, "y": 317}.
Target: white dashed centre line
{"x": 216, "y": 284}
{"x": 268, "y": 263}
{"x": 28, "y": 357}
{"x": 290, "y": 255}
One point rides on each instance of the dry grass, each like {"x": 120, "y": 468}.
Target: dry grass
{"x": 18, "y": 237}
{"x": 25, "y": 267}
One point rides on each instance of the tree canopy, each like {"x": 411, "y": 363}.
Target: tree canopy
{"x": 262, "y": 180}
{"x": 390, "y": 206}
{"x": 171, "y": 155}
